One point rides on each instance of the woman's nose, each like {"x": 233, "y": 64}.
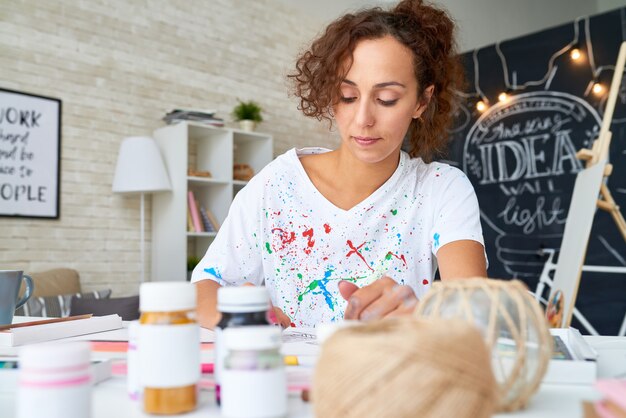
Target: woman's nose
{"x": 365, "y": 114}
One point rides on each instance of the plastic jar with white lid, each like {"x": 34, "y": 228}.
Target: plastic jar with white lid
{"x": 55, "y": 381}
{"x": 254, "y": 383}
{"x": 168, "y": 347}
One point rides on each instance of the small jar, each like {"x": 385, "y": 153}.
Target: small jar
{"x": 239, "y": 306}
{"x": 55, "y": 381}
{"x": 168, "y": 347}
{"x": 254, "y": 384}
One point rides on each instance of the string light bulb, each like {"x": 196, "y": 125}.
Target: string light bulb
{"x": 575, "y": 54}
{"x": 597, "y": 88}
{"x": 503, "y": 97}
{"x": 481, "y": 106}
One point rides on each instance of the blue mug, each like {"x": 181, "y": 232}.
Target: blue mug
{"x": 10, "y": 283}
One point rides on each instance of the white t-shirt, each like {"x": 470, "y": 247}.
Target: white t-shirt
{"x": 283, "y": 233}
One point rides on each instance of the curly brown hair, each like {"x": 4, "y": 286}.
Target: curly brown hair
{"x": 426, "y": 30}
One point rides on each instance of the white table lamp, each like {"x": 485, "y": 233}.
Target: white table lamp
{"x": 140, "y": 169}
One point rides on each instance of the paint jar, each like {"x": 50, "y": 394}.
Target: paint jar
{"x": 132, "y": 362}
{"x": 55, "y": 381}
{"x": 168, "y": 347}
{"x": 254, "y": 384}
{"x": 239, "y": 306}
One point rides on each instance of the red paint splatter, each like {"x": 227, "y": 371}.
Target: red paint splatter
{"x": 292, "y": 325}
{"x": 327, "y": 228}
{"x": 284, "y": 236}
{"x": 356, "y": 251}
{"x": 325, "y": 258}
{"x": 424, "y": 282}
{"x": 311, "y": 242}
{"x": 401, "y": 257}
{"x": 277, "y": 213}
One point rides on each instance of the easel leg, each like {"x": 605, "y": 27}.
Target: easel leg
{"x": 608, "y": 204}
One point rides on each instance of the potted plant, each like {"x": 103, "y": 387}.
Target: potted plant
{"x": 248, "y": 114}
{"x": 192, "y": 261}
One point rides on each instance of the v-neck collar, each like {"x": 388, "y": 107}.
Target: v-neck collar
{"x": 362, "y": 205}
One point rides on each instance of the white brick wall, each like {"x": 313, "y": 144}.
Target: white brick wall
{"x": 118, "y": 66}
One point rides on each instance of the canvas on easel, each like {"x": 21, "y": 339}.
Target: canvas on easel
{"x": 590, "y": 183}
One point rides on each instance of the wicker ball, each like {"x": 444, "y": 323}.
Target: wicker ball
{"x": 404, "y": 367}
{"x": 512, "y": 324}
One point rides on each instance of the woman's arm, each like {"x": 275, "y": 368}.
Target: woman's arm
{"x": 462, "y": 259}
{"x": 208, "y": 315}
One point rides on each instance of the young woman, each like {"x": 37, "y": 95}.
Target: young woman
{"x": 358, "y": 232}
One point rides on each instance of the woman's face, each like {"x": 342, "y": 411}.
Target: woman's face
{"x": 378, "y": 100}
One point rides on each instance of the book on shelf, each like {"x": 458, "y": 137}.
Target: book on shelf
{"x": 202, "y": 227}
{"x": 195, "y": 216}
{"x": 25, "y": 331}
{"x": 203, "y": 116}
{"x": 213, "y": 220}
{"x": 208, "y": 226}
{"x": 190, "y": 227}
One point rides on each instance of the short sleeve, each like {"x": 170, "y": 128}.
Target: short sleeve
{"x": 234, "y": 257}
{"x": 456, "y": 212}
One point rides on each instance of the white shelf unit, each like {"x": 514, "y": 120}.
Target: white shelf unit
{"x": 200, "y": 147}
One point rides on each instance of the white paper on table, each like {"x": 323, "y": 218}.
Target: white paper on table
{"x": 300, "y": 342}
{"x": 206, "y": 335}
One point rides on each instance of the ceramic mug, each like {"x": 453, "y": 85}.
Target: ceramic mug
{"x": 10, "y": 283}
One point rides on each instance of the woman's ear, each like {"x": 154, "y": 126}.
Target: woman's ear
{"x": 424, "y": 101}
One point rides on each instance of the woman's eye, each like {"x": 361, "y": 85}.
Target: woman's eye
{"x": 387, "y": 102}
{"x": 347, "y": 99}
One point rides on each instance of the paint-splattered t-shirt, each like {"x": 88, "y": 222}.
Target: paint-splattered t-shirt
{"x": 282, "y": 232}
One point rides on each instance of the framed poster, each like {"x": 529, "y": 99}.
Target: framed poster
{"x": 30, "y": 155}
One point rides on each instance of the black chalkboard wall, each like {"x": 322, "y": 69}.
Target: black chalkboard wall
{"x": 520, "y": 155}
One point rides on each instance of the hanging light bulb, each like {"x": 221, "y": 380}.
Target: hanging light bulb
{"x": 503, "y": 97}
{"x": 597, "y": 88}
{"x": 481, "y": 106}
{"x": 575, "y": 54}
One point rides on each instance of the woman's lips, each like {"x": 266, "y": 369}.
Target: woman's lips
{"x": 365, "y": 140}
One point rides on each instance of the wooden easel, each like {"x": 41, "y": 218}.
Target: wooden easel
{"x": 589, "y": 182}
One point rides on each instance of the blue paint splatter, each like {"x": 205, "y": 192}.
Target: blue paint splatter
{"x": 436, "y": 238}
{"x": 322, "y": 284}
{"x": 213, "y": 271}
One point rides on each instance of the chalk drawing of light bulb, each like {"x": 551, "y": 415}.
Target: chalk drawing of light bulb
{"x": 521, "y": 157}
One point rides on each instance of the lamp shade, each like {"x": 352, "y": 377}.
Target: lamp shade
{"x": 140, "y": 167}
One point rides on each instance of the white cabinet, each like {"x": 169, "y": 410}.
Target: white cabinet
{"x": 200, "y": 147}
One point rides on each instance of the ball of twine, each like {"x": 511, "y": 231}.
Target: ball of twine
{"x": 405, "y": 368}
{"x": 512, "y": 325}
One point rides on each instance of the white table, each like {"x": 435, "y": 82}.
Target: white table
{"x": 110, "y": 399}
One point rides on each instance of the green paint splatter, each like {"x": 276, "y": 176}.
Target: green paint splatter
{"x": 268, "y": 248}
{"x": 394, "y": 212}
{"x": 299, "y": 276}
{"x": 388, "y": 256}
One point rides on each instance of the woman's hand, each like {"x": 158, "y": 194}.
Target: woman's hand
{"x": 383, "y": 298}
{"x": 277, "y": 316}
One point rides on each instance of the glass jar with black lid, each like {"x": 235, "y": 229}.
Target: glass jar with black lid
{"x": 239, "y": 307}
